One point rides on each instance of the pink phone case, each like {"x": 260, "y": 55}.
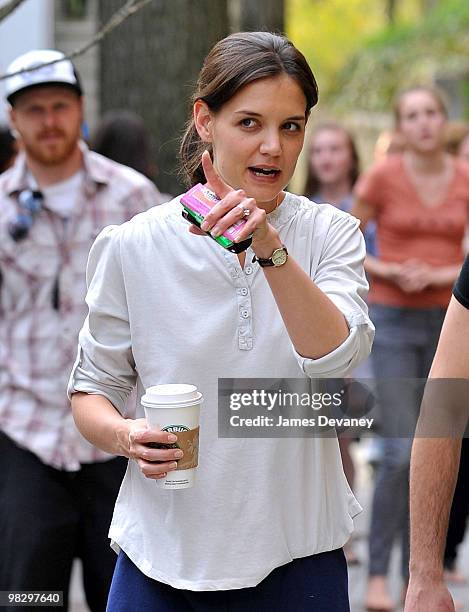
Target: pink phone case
{"x": 200, "y": 199}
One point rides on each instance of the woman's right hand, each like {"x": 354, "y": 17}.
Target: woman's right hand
{"x": 154, "y": 463}
{"x": 387, "y": 270}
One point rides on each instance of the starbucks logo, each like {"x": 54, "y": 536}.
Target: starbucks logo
{"x": 175, "y": 428}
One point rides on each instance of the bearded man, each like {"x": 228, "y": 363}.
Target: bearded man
{"x": 57, "y": 492}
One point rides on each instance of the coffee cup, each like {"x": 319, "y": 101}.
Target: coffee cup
{"x": 175, "y": 408}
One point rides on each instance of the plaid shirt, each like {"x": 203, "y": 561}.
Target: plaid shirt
{"x": 38, "y": 332}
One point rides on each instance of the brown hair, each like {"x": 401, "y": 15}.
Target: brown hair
{"x": 234, "y": 62}
{"x": 312, "y": 183}
{"x": 456, "y": 132}
{"x": 436, "y": 94}
{"x": 123, "y": 137}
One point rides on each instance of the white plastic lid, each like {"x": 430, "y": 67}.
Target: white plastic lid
{"x": 172, "y": 394}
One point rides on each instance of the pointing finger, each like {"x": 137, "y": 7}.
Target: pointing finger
{"x": 214, "y": 182}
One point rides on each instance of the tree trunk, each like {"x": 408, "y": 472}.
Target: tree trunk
{"x": 428, "y": 5}
{"x": 150, "y": 65}
{"x": 391, "y": 10}
{"x": 252, "y": 15}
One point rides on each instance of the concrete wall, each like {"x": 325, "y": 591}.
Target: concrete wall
{"x": 29, "y": 27}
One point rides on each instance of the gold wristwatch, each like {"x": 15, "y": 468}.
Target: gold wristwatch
{"x": 278, "y": 258}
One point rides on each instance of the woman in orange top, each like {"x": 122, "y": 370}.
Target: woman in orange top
{"x": 420, "y": 202}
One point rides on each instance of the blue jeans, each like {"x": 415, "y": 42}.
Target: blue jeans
{"x": 317, "y": 583}
{"x": 404, "y": 346}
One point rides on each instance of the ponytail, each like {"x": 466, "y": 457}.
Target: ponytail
{"x": 190, "y": 154}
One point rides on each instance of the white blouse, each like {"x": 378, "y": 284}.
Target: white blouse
{"x": 166, "y": 306}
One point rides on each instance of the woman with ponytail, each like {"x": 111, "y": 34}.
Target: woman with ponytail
{"x": 264, "y": 525}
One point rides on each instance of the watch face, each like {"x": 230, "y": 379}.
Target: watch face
{"x": 279, "y": 257}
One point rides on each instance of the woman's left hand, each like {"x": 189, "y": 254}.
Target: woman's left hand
{"x": 233, "y": 206}
{"x": 414, "y": 276}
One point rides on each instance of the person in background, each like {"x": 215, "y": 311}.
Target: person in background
{"x": 122, "y": 136}
{"x": 8, "y": 148}
{"x": 420, "y": 201}
{"x": 57, "y": 492}
{"x": 332, "y": 171}
{"x": 436, "y": 457}
{"x": 389, "y": 142}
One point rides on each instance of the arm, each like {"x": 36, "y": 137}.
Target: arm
{"x": 314, "y": 323}
{"x": 104, "y": 372}
{"x": 382, "y": 269}
{"x": 411, "y": 276}
{"x": 416, "y": 276}
{"x": 373, "y": 265}
{"x": 434, "y": 468}
{"x": 102, "y": 425}
{"x": 445, "y": 276}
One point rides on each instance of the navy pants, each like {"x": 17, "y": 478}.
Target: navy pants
{"x": 403, "y": 352}
{"x": 317, "y": 583}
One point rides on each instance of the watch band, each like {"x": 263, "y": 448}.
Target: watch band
{"x": 265, "y": 263}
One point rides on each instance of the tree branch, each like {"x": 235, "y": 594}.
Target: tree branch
{"x": 129, "y": 8}
{"x": 9, "y": 8}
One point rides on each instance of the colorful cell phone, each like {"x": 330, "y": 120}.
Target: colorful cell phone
{"x": 197, "y": 203}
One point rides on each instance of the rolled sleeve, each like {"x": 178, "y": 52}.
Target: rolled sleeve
{"x": 343, "y": 359}
{"x": 105, "y": 363}
{"x": 339, "y": 273}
